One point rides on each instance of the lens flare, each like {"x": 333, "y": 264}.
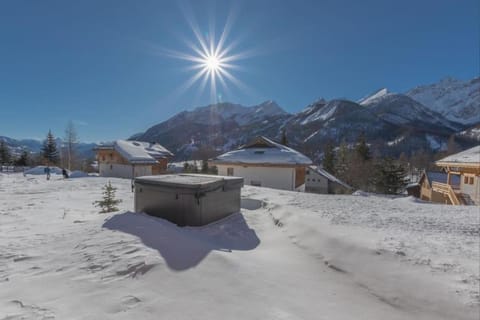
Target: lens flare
{"x": 212, "y": 58}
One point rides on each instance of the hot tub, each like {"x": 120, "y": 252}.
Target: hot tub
{"x": 188, "y": 199}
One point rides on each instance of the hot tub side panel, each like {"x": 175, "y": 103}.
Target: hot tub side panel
{"x": 166, "y": 205}
{"x": 183, "y": 207}
{"x": 219, "y": 204}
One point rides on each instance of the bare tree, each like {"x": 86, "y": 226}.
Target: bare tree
{"x": 71, "y": 140}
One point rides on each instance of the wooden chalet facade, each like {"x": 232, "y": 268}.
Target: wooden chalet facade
{"x": 466, "y": 166}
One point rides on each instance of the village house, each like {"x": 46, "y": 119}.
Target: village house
{"x": 466, "y": 166}
{"x": 129, "y": 159}
{"x": 424, "y": 188}
{"x": 320, "y": 181}
{"x": 265, "y": 163}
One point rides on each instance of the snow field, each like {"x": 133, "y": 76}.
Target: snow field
{"x": 285, "y": 256}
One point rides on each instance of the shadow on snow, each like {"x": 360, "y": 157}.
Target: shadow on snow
{"x": 185, "y": 247}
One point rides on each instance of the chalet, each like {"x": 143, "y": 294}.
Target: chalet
{"x": 129, "y": 159}
{"x": 427, "y": 180}
{"x": 320, "y": 181}
{"x": 465, "y": 166}
{"x": 265, "y": 163}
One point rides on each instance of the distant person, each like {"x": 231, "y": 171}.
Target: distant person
{"x": 64, "y": 173}
{"x": 47, "y": 172}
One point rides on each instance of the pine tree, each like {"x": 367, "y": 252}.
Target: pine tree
{"x": 390, "y": 178}
{"x": 23, "y": 159}
{"x": 329, "y": 158}
{"x": 71, "y": 140}
{"x": 109, "y": 203}
{"x": 5, "y": 156}
{"x": 452, "y": 145}
{"x": 362, "y": 149}
{"x": 341, "y": 165}
{"x": 49, "y": 149}
{"x": 284, "y": 137}
{"x": 204, "y": 166}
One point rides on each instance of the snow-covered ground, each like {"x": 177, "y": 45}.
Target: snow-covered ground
{"x": 286, "y": 255}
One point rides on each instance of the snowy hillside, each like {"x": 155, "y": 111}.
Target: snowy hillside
{"x": 286, "y": 255}
{"x": 223, "y": 112}
{"x": 400, "y": 109}
{"x": 456, "y": 100}
{"x": 218, "y": 126}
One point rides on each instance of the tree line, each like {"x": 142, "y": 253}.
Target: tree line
{"x": 355, "y": 165}
{"x": 52, "y": 154}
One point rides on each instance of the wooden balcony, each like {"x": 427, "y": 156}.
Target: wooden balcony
{"x": 450, "y": 191}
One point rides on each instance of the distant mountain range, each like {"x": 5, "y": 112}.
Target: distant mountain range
{"x": 422, "y": 118}
{"x": 84, "y": 150}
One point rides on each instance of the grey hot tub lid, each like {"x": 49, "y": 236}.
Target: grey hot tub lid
{"x": 191, "y": 181}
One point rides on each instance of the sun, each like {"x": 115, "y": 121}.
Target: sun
{"x": 212, "y": 60}
{"x": 213, "y": 63}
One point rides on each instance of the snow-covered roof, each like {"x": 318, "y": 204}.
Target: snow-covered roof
{"x": 470, "y": 156}
{"x": 329, "y": 176}
{"x": 138, "y": 151}
{"x": 264, "y": 151}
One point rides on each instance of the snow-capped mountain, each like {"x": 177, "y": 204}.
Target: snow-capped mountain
{"x": 423, "y": 118}
{"x": 218, "y": 127}
{"x": 456, "y": 100}
{"x": 373, "y": 97}
{"x": 221, "y": 112}
{"x": 402, "y": 110}
{"x": 391, "y": 122}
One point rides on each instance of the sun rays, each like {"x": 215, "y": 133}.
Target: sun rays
{"x": 211, "y": 59}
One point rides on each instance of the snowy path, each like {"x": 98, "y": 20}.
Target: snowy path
{"x": 292, "y": 256}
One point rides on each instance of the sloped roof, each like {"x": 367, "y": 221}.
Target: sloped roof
{"x": 329, "y": 176}
{"x": 470, "y": 156}
{"x": 138, "y": 152}
{"x": 262, "y": 150}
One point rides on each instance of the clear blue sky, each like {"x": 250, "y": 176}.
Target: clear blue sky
{"x": 103, "y": 65}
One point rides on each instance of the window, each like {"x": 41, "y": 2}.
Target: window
{"x": 103, "y": 158}
{"x": 111, "y": 167}
{"x": 467, "y": 180}
{"x": 308, "y": 171}
{"x": 229, "y": 171}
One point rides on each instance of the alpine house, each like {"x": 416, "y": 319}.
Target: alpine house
{"x": 265, "y": 163}
{"x": 130, "y": 159}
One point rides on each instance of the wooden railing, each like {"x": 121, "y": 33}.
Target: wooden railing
{"x": 447, "y": 190}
